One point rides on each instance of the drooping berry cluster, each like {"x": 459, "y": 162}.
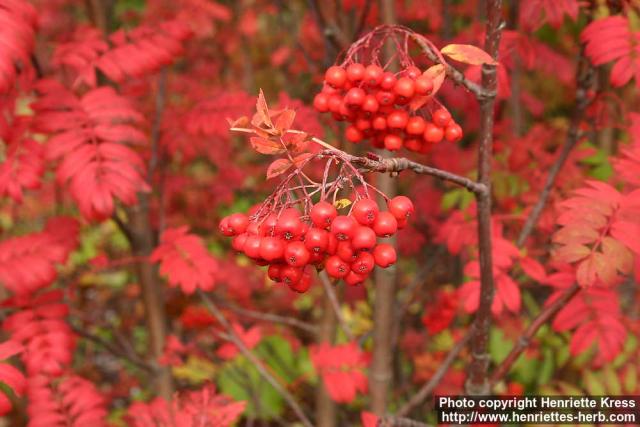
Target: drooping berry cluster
{"x": 346, "y": 246}
{"x": 393, "y": 110}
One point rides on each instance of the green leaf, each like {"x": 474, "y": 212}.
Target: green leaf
{"x": 546, "y": 369}
{"x": 612, "y": 381}
{"x": 594, "y": 384}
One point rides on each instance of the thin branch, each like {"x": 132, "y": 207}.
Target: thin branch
{"x": 362, "y": 21}
{"x": 269, "y": 317}
{"x": 530, "y": 332}
{"x": 335, "y": 304}
{"x": 426, "y": 390}
{"x": 393, "y": 421}
{"x": 477, "y": 381}
{"x": 259, "y": 365}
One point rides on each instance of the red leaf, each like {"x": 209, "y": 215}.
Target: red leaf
{"x": 368, "y": 419}
{"x": 342, "y": 370}
{"x": 467, "y": 54}
{"x": 266, "y": 146}
{"x": 437, "y": 74}
{"x": 250, "y": 338}
{"x": 278, "y": 167}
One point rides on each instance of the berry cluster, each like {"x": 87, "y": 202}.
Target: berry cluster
{"x": 378, "y": 104}
{"x": 346, "y": 246}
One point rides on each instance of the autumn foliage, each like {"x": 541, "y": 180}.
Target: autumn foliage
{"x": 202, "y": 201}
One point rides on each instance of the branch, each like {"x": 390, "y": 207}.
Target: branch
{"x": 433, "y": 382}
{"x": 328, "y": 288}
{"x": 477, "y": 382}
{"x": 392, "y": 421}
{"x": 530, "y": 332}
{"x": 259, "y": 365}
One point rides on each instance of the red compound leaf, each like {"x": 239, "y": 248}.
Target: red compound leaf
{"x": 91, "y": 137}
{"x": 190, "y": 409}
{"x": 18, "y": 19}
{"x": 250, "y": 337}
{"x": 611, "y": 39}
{"x": 342, "y": 370}
{"x": 534, "y": 13}
{"x": 9, "y": 375}
{"x": 185, "y": 261}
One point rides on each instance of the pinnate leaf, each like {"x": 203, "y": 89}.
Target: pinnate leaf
{"x": 467, "y": 54}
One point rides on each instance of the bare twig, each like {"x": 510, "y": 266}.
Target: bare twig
{"x": 335, "y": 304}
{"x": 393, "y": 421}
{"x": 259, "y": 365}
{"x": 426, "y": 390}
{"x": 477, "y": 381}
{"x": 524, "y": 341}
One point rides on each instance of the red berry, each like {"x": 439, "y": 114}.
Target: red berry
{"x": 316, "y": 240}
{"x": 453, "y": 132}
{"x": 268, "y": 226}
{"x": 385, "y": 225}
{"x": 290, "y": 275}
{"x": 413, "y": 144}
{"x": 271, "y": 248}
{"x": 238, "y": 223}
{"x": 343, "y": 227}
{"x": 317, "y": 258}
{"x": 355, "y": 97}
{"x": 384, "y": 255}
{"x": 373, "y": 75}
{"x": 322, "y": 214}
{"x": 355, "y": 72}
{"x": 401, "y": 207}
{"x": 335, "y": 76}
{"x": 415, "y": 125}
{"x": 385, "y": 98}
{"x": 370, "y": 104}
{"x": 336, "y": 267}
{"x": 413, "y": 72}
{"x": 303, "y": 284}
{"x": 238, "y": 242}
{"x": 353, "y": 134}
{"x": 433, "y": 133}
{"x": 402, "y": 223}
{"x": 346, "y": 112}
{"x": 354, "y": 279}
{"x": 251, "y": 247}
{"x": 363, "y": 124}
{"x": 332, "y": 246}
{"x": 334, "y": 103}
{"x": 404, "y": 88}
{"x": 398, "y": 119}
{"x": 424, "y": 85}
{"x": 321, "y": 102}
{"x": 441, "y": 117}
{"x": 388, "y": 81}
{"x": 365, "y": 211}
{"x": 289, "y": 225}
{"x": 363, "y": 238}
{"x": 225, "y": 228}
{"x": 364, "y": 263}
{"x": 275, "y": 272}
{"x": 379, "y": 122}
{"x": 296, "y": 254}
{"x": 345, "y": 252}
{"x": 392, "y": 142}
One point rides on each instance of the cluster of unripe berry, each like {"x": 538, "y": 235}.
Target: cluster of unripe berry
{"x": 377, "y": 104}
{"x": 346, "y": 246}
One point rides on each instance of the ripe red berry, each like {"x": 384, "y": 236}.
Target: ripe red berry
{"x": 392, "y": 142}
{"x": 363, "y": 238}
{"x": 413, "y": 72}
{"x": 413, "y": 144}
{"x": 268, "y": 226}
{"x": 332, "y": 246}
{"x": 353, "y": 134}
{"x": 370, "y": 104}
{"x": 238, "y": 242}
{"x": 424, "y": 85}
{"x": 238, "y": 222}
{"x": 303, "y": 284}
{"x": 289, "y": 225}
{"x": 321, "y": 102}
{"x": 385, "y": 97}
{"x": 316, "y": 240}
{"x": 251, "y": 247}
{"x": 433, "y": 133}
{"x": 355, "y": 72}
{"x": 275, "y": 272}
{"x": 335, "y": 76}
{"x": 346, "y": 252}
{"x": 322, "y": 214}
{"x": 271, "y": 248}
{"x": 364, "y": 263}
{"x": 388, "y": 81}
{"x": 365, "y": 211}
{"x": 415, "y": 125}
{"x": 290, "y": 275}
{"x": 401, "y": 207}
{"x": 336, "y": 267}
{"x": 405, "y": 88}
{"x": 334, "y": 103}
{"x": 224, "y": 227}
{"x": 355, "y": 97}
{"x": 384, "y": 255}
{"x": 296, "y": 254}
{"x": 385, "y": 225}
{"x": 397, "y": 119}
{"x": 354, "y": 279}
{"x": 441, "y": 117}
{"x": 453, "y": 132}
{"x": 343, "y": 227}
{"x": 373, "y": 75}
{"x": 363, "y": 124}
{"x": 379, "y": 122}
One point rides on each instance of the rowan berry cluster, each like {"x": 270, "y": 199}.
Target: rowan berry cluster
{"x": 346, "y": 246}
{"x": 393, "y": 110}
